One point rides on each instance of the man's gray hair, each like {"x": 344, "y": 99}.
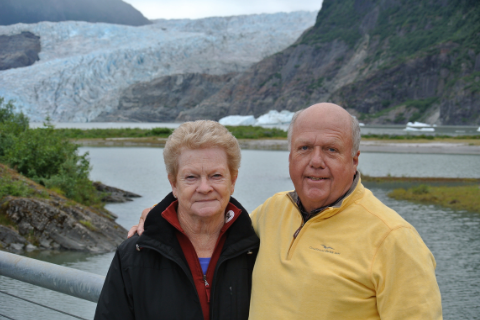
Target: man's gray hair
{"x": 356, "y": 136}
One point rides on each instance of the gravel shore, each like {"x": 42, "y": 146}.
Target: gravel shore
{"x": 279, "y": 144}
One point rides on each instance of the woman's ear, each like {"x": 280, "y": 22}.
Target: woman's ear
{"x": 173, "y": 183}
{"x": 234, "y": 180}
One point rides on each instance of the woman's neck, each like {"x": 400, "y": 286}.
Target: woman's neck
{"x": 203, "y": 233}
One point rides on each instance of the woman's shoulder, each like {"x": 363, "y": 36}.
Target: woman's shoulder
{"x": 128, "y": 250}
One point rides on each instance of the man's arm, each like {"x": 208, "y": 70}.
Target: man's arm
{"x": 139, "y": 227}
{"x": 403, "y": 271}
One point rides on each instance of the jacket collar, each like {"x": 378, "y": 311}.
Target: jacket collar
{"x": 160, "y": 234}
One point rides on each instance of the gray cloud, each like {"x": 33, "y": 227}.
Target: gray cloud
{"x": 194, "y": 9}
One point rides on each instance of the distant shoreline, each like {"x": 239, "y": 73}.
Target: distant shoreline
{"x": 430, "y": 147}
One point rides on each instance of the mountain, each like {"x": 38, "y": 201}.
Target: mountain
{"x": 386, "y": 61}
{"x": 86, "y": 70}
{"x": 33, "y": 11}
{"x": 20, "y": 50}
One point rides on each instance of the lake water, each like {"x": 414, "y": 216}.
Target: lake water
{"x": 452, "y": 236}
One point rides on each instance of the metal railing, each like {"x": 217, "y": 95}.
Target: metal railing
{"x": 80, "y": 284}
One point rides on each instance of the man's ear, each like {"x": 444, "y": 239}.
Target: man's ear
{"x": 355, "y": 159}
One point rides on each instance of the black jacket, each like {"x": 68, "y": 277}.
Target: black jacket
{"x": 149, "y": 277}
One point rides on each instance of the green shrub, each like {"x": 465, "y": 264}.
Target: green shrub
{"x": 421, "y": 189}
{"x": 45, "y": 155}
{"x": 88, "y": 225}
{"x": 13, "y": 188}
{"x": 252, "y": 132}
{"x": 11, "y": 125}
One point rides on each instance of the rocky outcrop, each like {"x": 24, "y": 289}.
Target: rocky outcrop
{"x": 57, "y": 224}
{"x": 19, "y": 50}
{"x": 33, "y": 11}
{"x": 112, "y": 194}
{"x": 165, "y": 98}
{"x": 384, "y": 61}
{"x": 44, "y": 220}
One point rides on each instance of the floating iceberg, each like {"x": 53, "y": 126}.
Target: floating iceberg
{"x": 238, "y": 121}
{"x": 418, "y": 124}
{"x": 419, "y": 129}
{"x": 275, "y": 117}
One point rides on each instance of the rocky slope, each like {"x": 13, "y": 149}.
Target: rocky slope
{"x": 163, "y": 99}
{"x": 45, "y": 220}
{"x": 33, "y": 11}
{"x": 386, "y": 61}
{"x": 84, "y": 68}
{"x": 19, "y": 50}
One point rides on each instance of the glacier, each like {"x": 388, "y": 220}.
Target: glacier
{"x": 84, "y": 66}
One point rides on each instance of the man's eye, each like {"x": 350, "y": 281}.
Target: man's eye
{"x": 332, "y": 149}
{"x": 304, "y": 148}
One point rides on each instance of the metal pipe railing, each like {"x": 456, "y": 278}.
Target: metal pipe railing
{"x": 80, "y": 284}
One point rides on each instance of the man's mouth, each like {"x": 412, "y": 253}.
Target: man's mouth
{"x": 316, "y": 178}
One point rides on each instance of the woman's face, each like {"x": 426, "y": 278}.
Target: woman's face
{"x": 203, "y": 184}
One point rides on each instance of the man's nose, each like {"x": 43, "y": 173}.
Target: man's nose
{"x": 204, "y": 186}
{"x": 317, "y": 158}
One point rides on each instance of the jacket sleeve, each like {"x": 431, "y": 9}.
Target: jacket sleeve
{"x": 403, "y": 272}
{"x": 115, "y": 302}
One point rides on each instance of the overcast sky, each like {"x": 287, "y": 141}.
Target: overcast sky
{"x": 194, "y": 9}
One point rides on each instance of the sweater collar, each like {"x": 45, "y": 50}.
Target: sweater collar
{"x": 336, "y": 204}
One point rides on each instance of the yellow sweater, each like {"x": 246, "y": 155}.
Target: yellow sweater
{"x": 360, "y": 260}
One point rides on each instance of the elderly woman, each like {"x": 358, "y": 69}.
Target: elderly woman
{"x": 195, "y": 258}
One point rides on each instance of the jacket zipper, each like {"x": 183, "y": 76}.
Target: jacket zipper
{"x": 179, "y": 264}
{"x": 217, "y": 267}
{"x": 295, "y": 235}
{"x": 207, "y": 285}
{"x": 298, "y": 230}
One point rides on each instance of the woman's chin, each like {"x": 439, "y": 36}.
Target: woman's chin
{"x": 207, "y": 210}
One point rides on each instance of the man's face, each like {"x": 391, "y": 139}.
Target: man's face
{"x": 320, "y": 163}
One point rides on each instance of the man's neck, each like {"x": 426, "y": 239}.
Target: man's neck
{"x": 309, "y": 214}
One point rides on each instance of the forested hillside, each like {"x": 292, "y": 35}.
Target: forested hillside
{"x": 386, "y": 61}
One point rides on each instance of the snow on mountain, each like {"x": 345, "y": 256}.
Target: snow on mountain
{"x": 84, "y": 66}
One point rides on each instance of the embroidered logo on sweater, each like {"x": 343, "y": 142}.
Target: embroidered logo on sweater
{"x": 325, "y": 249}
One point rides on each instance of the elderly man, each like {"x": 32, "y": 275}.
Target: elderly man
{"x": 330, "y": 249}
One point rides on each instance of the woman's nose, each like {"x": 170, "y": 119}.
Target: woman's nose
{"x": 204, "y": 185}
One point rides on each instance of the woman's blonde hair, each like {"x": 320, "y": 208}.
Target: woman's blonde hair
{"x": 201, "y": 134}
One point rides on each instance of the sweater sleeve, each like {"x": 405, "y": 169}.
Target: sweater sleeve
{"x": 115, "y": 302}
{"x": 403, "y": 272}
